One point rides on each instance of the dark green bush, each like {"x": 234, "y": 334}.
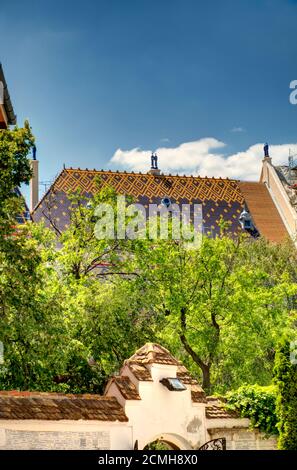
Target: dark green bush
{"x": 286, "y": 408}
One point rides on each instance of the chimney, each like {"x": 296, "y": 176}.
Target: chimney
{"x": 34, "y": 183}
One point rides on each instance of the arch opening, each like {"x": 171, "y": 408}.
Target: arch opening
{"x": 167, "y": 442}
{"x": 160, "y": 444}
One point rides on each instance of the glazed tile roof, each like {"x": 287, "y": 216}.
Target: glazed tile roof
{"x": 126, "y": 387}
{"x": 197, "y": 392}
{"x": 139, "y": 184}
{"x": 55, "y": 406}
{"x": 25, "y": 215}
{"x": 220, "y": 198}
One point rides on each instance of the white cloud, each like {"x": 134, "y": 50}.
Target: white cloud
{"x": 165, "y": 139}
{"x": 237, "y": 129}
{"x": 204, "y": 157}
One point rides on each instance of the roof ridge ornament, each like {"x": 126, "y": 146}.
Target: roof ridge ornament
{"x": 266, "y": 150}
{"x": 154, "y": 165}
{"x": 154, "y": 161}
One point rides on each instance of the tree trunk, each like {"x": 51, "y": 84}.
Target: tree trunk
{"x": 206, "y": 378}
{"x": 205, "y": 368}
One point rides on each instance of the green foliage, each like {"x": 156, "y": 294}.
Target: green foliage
{"x": 62, "y": 328}
{"x": 223, "y": 304}
{"x": 256, "y": 403}
{"x": 158, "y": 445}
{"x": 67, "y": 324}
{"x": 80, "y": 250}
{"x": 30, "y": 321}
{"x": 24, "y": 318}
{"x": 286, "y": 380}
{"x": 15, "y": 146}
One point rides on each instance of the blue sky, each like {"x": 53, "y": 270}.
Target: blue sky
{"x": 105, "y": 82}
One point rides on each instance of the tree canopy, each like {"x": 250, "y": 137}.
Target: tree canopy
{"x": 73, "y": 307}
{"x": 223, "y": 303}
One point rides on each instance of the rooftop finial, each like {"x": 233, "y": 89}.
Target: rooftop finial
{"x": 154, "y": 161}
{"x": 266, "y": 150}
{"x": 154, "y": 165}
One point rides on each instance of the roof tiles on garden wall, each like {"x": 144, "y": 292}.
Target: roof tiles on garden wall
{"x": 125, "y": 386}
{"x": 22, "y": 405}
{"x": 57, "y": 406}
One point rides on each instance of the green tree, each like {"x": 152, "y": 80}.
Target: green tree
{"x": 80, "y": 251}
{"x": 105, "y": 325}
{"x": 66, "y": 324}
{"x": 221, "y": 302}
{"x": 15, "y": 146}
{"x": 286, "y": 380}
{"x": 104, "y": 319}
{"x": 31, "y": 324}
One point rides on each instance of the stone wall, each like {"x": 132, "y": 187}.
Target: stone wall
{"x": 34, "y": 435}
{"x": 244, "y": 439}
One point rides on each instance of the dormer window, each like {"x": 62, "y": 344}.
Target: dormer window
{"x": 247, "y": 224}
{"x": 173, "y": 384}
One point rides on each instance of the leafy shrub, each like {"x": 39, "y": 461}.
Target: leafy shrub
{"x": 256, "y": 403}
{"x": 157, "y": 445}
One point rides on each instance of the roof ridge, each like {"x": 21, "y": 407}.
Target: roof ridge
{"x": 151, "y": 345}
{"x": 31, "y": 394}
{"x": 150, "y": 351}
{"x": 139, "y": 173}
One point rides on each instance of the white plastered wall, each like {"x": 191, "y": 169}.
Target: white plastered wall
{"x": 163, "y": 414}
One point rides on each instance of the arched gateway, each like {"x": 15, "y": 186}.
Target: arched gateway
{"x": 154, "y": 400}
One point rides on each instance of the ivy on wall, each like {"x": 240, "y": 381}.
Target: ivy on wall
{"x": 256, "y": 403}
